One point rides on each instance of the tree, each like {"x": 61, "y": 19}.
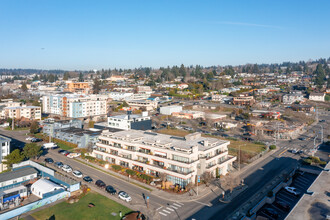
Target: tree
{"x": 125, "y": 104}
{"x": 91, "y": 124}
{"x": 34, "y": 127}
{"x": 24, "y": 87}
{"x": 319, "y": 76}
{"x": 81, "y": 77}
{"x": 14, "y": 157}
{"x": 66, "y": 76}
{"x": 31, "y": 150}
{"x": 96, "y": 86}
{"x": 182, "y": 70}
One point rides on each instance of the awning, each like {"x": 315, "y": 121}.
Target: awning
{"x": 160, "y": 153}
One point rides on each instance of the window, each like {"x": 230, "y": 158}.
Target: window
{"x": 180, "y": 159}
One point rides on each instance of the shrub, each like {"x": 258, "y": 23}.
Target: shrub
{"x": 131, "y": 172}
{"x": 307, "y": 161}
{"x": 259, "y": 143}
{"x": 90, "y": 158}
{"x": 116, "y": 167}
{"x": 315, "y": 159}
{"x": 272, "y": 147}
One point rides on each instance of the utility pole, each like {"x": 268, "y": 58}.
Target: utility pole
{"x": 314, "y": 141}
{"x": 13, "y": 123}
{"x": 317, "y": 114}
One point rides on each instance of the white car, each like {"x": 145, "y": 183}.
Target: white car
{"x": 124, "y": 196}
{"x": 73, "y": 155}
{"x": 66, "y": 168}
{"x": 77, "y": 174}
{"x": 28, "y": 138}
{"x": 292, "y": 190}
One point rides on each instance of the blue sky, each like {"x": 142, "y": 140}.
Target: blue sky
{"x": 126, "y": 34}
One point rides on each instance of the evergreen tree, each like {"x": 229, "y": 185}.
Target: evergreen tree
{"x": 24, "y": 87}
{"x": 319, "y": 75}
{"x": 31, "y": 150}
{"x": 182, "y": 70}
{"x": 81, "y": 77}
{"x": 14, "y": 157}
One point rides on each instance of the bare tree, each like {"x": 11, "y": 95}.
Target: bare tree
{"x": 207, "y": 177}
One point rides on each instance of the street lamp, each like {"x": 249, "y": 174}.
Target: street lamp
{"x": 315, "y": 140}
{"x": 321, "y": 134}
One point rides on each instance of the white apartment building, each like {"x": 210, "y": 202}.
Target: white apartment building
{"x": 319, "y": 97}
{"x": 180, "y": 158}
{"x": 144, "y": 89}
{"x": 75, "y": 106}
{"x": 120, "y": 96}
{"x": 218, "y": 98}
{"x": 4, "y": 151}
{"x": 30, "y": 112}
{"x": 130, "y": 121}
{"x": 293, "y": 97}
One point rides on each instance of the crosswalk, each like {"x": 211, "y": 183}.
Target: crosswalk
{"x": 164, "y": 211}
{"x": 292, "y": 148}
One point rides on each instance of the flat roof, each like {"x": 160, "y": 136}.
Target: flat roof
{"x": 4, "y": 139}
{"x": 22, "y": 107}
{"x": 315, "y": 204}
{"x": 125, "y": 117}
{"x": 80, "y": 131}
{"x": 174, "y": 142}
{"x": 17, "y": 173}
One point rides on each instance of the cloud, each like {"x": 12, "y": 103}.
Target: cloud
{"x": 248, "y": 24}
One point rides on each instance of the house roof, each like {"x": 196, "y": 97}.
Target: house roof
{"x": 45, "y": 186}
{"x": 26, "y": 171}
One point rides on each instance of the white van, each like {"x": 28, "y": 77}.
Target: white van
{"x": 49, "y": 145}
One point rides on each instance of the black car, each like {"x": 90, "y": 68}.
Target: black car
{"x": 282, "y": 205}
{"x": 36, "y": 140}
{"x": 271, "y": 212}
{"x": 111, "y": 190}
{"x": 100, "y": 183}
{"x": 49, "y": 160}
{"x": 58, "y": 164}
{"x": 88, "y": 179}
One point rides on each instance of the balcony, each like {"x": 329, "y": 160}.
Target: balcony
{"x": 210, "y": 166}
{"x": 180, "y": 172}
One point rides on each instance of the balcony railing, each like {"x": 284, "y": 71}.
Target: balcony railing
{"x": 210, "y": 166}
{"x": 180, "y": 172}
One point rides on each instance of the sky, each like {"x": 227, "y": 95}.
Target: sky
{"x": 85, "y": 35}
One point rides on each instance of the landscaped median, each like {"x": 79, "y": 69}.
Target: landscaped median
{"x": 90, "y": 206}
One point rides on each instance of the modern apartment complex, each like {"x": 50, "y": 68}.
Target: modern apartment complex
{"x": 4, "y": 151}
{"x": 78, "y": 87}
{"x": 18, "y": 112}
{"x": 180, "y": 158}
{"x": 75, "y": 106}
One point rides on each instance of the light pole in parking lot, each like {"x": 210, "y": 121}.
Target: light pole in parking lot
{"x": 315, "y": 140}
{"x": 321, "y": 133}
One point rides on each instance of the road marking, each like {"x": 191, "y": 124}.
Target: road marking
{"x": 176, "y": 204}
{"x": 174, "y": 207}
{"x": 300, "y": 185}
{"x": 180, "y": 203}
{"x": 203, "y": 203}
{"x": 162, "y": 213}
{"x": 166, "y": 211}
{"x": 170, "y": 209}
{"x": 285, "y": 197}
{"x": 282, "y": 152}
{"x": 159, "y": 208}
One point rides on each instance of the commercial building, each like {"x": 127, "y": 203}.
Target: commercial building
{"x": 180, "y": 158}
{"x": 218, "y": 98}
{"x": 168, "y": 110}
{"x": 187, "y": 114}
{"x": 130, "y": 121}
{"x": 319, "y": 97}
{"x": 77, "y": 87}
{"x": 4, "y": 151}
{"x": 147, "y": 105}
{"x": 75, "y": 106}
{"x": 244, "y": 100}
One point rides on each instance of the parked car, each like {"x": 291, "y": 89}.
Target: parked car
{"x": 61, "y": 151}
{"x": 282, "y": 205}
{"x": 110, "y": 190}
{"x": 124, "y": 196}
{"x": 58, "y": 164}
{"x": 66, "y": 168}
{"x": 271, "y": 212}
{"x": 29, "y": 138}
{"x": 77, "y": 174}
{"x": 322, "y": 120}
{"x": 49, "y": 160}
{"x": 88, "y": 179}
{"x": 302, "y": 138}
{"x": 36, "y": 140}
{"x": 73, "y": 155}
{"x": 292, "y": 190}
{"x": 100, "y": 183}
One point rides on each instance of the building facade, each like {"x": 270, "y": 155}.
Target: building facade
{"x": 147, "y": 104}
{"x": 129, "y": 121}
{"x": 319, "y": 97}
{"x": 78, "y": 87}
{"x": 244, "y": 100}
{"x": 187, "y": 114}
{"x": 4, "y": 151}
{"x": 293, "y": 97}
{"x": 30, "y": 112}
{"x": 180, "y": 158}
{"x": 168, "y": 110}
{"x": 75, "y": 106}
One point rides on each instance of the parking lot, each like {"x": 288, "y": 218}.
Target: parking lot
{"x": 301, "y": 182}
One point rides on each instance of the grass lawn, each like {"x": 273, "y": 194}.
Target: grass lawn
{"x": 17, "y": 129}
{"x": 245, "y": 145}
{"x": 80, "y": 210}
{"x": 64, "y": 146}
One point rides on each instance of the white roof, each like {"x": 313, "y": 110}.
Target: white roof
{"x": 45, "y": 186}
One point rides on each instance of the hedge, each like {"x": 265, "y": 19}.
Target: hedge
{"x": 272, "y": 147}
{"x": 131, "y": 172}
{"x": 116, "y": 167}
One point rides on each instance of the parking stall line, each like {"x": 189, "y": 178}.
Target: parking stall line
{"x": 176, "y": 204}
{"x": 162, "y": 213}
{"x": 168, "y": 208}
{"x": 284, "y": 197}
{"x": 300, "y": 185}
{"x": 266, "y": 215}
{"x": 164, "y": 210}
{"x": 302, "y": 180}
{"x": 172, "y": 206}
{"x": 180, "y": 203}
